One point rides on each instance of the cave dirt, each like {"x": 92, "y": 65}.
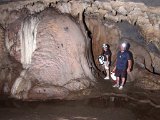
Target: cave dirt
{"x": 100, "y": 103}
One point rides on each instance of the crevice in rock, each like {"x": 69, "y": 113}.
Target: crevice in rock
{"x": 89, "y": 49}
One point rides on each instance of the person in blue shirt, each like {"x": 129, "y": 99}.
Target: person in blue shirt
{"x": 122, "y": 66}
{"x": 107, "y": 59}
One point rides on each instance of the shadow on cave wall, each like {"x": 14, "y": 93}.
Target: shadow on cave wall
{"x": 132, "y": 34}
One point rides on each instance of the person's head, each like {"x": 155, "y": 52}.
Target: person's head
{"x": 105, "y": 47}
{"x": 123, "y": 46}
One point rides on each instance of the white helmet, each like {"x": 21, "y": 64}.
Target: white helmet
{"x": 104, "y": 46}
{"x": 124, "y": 45}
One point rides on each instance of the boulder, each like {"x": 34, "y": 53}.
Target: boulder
{"x": 51, "y": 49}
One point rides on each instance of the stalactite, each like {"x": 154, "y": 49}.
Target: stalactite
{"x": 27, "y": 35}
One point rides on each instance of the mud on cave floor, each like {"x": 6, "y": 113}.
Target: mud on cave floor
{"x": 101, "y": 103}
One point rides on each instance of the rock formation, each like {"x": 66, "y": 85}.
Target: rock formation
{"x": 49, "y": 48}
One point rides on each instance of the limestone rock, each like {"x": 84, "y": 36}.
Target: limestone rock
{"x": 107, "y": 33}
{"x": 64, "y": 7}
{"x": 1, "y": 54}
{"x": 21, "y": 86}
{"x": 2, "y": 36}
{"x": 148, "y": 81}
{"x": 79, "y": 84}
{"x": 156, "y": 63}
{"x": 51, "y": 47}
{"x": 47, "y": 92}
{"x": 107, "y": 6}
{"x": 122, "y": 10}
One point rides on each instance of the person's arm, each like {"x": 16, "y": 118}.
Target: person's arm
{"x": 129, "y": 65}
{"x": 129, "y": 62}
{"x": 107, "y": 58}
{"x": 114, "y": 69}
{"x": 108, "y": 55}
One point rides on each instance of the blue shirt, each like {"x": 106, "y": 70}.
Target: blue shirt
{"x": 122, "y": 60}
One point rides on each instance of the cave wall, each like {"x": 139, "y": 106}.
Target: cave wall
{"x": 147, "y": 19}
{"x": 117, "y": 22}
{"x": 1, "y": 53}
{"x": 9, "y": 67}
{"x": 102, "y": 33}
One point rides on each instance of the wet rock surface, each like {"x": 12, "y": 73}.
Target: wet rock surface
{"x": 102, "y": 103}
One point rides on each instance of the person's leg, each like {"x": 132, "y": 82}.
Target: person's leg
{"x": 104, "y": 69}
{"x": 107, "y": 71}
{"x": 117, "y": 82}
{"x": 124, "y": 73}
{"x": 117, "y": 73}
{"x": 123, "y": 81}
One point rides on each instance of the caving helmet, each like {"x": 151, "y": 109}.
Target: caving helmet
{"x": 124, "y": 45}
{"x": 105, "y": 46}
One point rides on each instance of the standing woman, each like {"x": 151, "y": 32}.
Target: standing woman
{"x": 107, "y": 59}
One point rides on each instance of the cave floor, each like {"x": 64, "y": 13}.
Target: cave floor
{"x": 104, "y": 88}
{"x": 101, "y": 103}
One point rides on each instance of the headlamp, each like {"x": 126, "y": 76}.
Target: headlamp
{"x": 104, "y": 46}
{"x": 124, "y": 45}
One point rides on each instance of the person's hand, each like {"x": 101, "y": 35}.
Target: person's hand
{"x": 128, "y": 70}
{"x": 107, "y": 63}
{"x": 113, "y": 71}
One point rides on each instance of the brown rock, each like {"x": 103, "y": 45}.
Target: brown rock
{"x": 122, "y": 10}
{"x": 147, "y": 80}
{"x": 107, "y": 33}
{"x": 47, "y": 92}
{"x": 1, "y": 54}
{"x": 52, "y": 49}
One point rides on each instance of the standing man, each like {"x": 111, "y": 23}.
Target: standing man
{"x": 107, "y": 59}
{"x": 122, "y": 66}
